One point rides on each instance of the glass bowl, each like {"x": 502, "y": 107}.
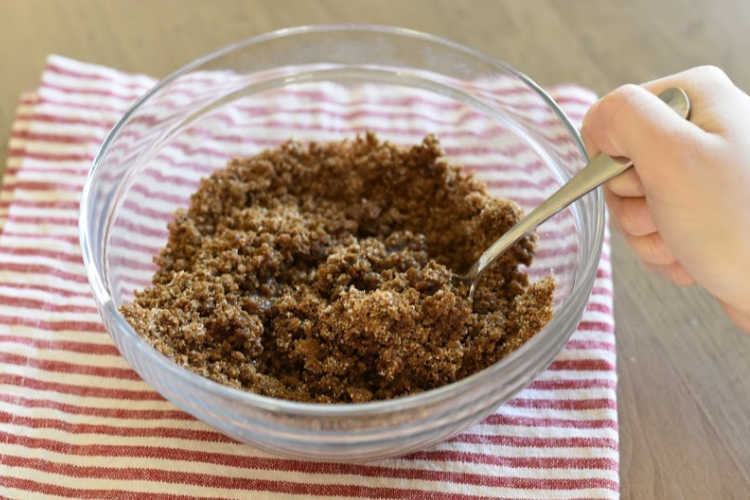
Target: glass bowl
{"x": 327, "y": 83}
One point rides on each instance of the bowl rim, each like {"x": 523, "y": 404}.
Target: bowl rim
{"x": 583, "y": 285}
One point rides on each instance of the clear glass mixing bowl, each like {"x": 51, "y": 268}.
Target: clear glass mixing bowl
{"x": 326, "y": 83}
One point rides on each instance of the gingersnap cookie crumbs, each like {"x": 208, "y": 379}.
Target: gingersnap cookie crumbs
{"x": 322, "y": 273}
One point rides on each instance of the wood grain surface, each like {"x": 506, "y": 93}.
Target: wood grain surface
{"x": 684, "y": 369}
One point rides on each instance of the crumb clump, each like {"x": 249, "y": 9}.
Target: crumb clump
{"x": 321, "y": 273}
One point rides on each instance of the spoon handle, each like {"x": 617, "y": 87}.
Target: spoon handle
{"x": 598, "y": 171}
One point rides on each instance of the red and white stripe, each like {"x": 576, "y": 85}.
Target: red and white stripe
{"x": 76, "y": 421}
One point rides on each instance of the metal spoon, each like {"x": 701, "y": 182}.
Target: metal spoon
{"x": 599, "y": 170}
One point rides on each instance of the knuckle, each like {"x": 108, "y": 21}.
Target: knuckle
{"x": 616, "y": 107}
{"x": 628, "y": 223}
{"x": 593, "y": 115}
{"x": 589, "y": 134}
{"x": 586, "y": 128}
{"x": 625, "y": 95}
{"x": 625, "y": 219}
{"x": 653, "y": 250}
{"x": 627, "y": 184}
{"x": 586, "y": 125}
{"x": 635, "y": 219}
{"x": 618, "y": 214}
{"x": 679, "y": 276}
{"x": 712, "y": 73}
{"x": 682, "y": 281}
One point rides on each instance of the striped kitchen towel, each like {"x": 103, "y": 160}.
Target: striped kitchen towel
{"x": 76, "y": 422}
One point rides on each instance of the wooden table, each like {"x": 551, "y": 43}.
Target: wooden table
{"x": 684, "y": 369}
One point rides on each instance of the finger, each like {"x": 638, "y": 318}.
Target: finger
{"x": 627, "y": 184}
{"x": 672, "y": 272}
{"x": 588, "y": 135}
{"x": 630, "y": 120}
{"x": 614, "y": 221}
{"x": 704, "y": 85}
{"x": 631, "y": 215}
{"x": 651, "y": 248}
{"x": 740, "y": 318}
{"x": 698, "y": 81}
{"x": 588, "y": 139}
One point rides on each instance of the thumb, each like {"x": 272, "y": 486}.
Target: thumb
{"x": 634, "y": 123}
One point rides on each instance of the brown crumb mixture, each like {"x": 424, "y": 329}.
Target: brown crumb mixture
{"x": 321, "y": 272}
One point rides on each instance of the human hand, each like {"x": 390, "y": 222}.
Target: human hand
{"x": 685, "y": 206}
